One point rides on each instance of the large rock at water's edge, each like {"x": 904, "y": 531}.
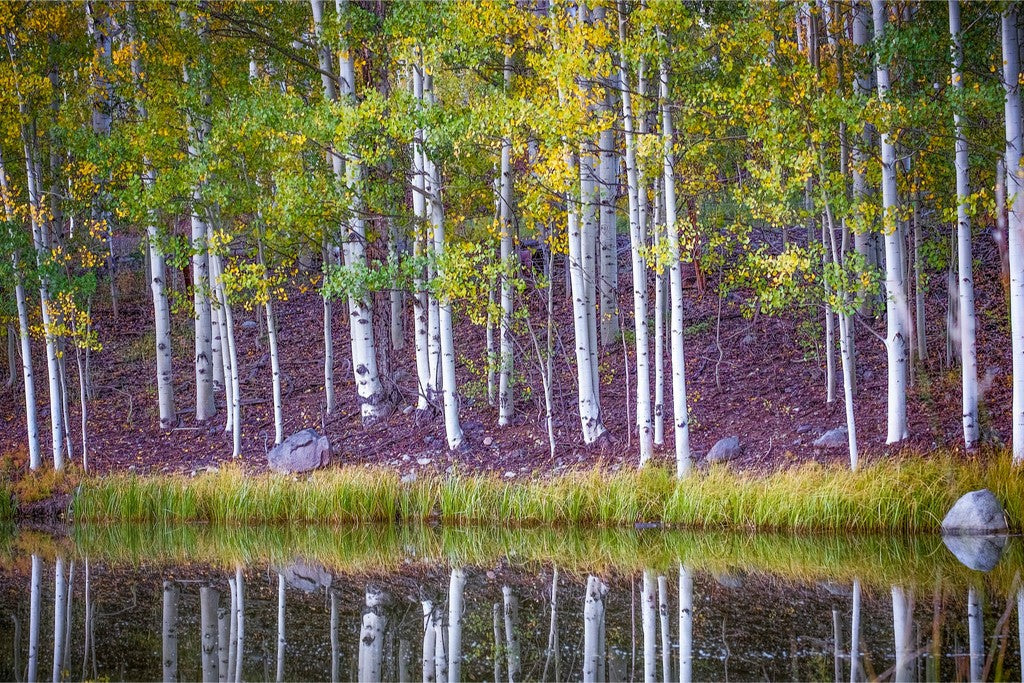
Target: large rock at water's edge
{"x": 977, "y": 512}
{"x": 306, "y": 577}
{"x": 301, "y": 452}
{"x": 724, "y": 450}
{"x": 833, "y": 438}
{"x": 980, "y": 553}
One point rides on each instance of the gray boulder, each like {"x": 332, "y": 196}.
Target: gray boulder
{"x": 306, "y": 578}
{"x": 977, "y": 512}
{"x": 833, "y": 438}
{"x": 301, "y": 452}
{"x": 725, "y": 449}
{"x": 980, "y": 553}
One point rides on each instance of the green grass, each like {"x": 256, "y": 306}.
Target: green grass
{"x": 893, "y": 495}
{"x": 876, "y": 560}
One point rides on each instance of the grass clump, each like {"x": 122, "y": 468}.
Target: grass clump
{"x": 893, "y": 495}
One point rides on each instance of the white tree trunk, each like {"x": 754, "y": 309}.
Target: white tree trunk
{"x": 421, "y": 306}
{"x": 169, "y": 632}
{"x": 35, "y": 606}
{"x": 232, "y": 616}
{"x": 685, "y": 624}
{"x": 896, "y": 297}
{"x": 505, "y": 361}
{"x": 649, "y": 621}
{"x": 371, "y": 636}
{"x": 240, "y": 624}
{"x": 855, "y": 632}
{"x": 41, "y": 241}
{"x": 666, "y": 637}
{"x": 659, "y": 329}
{"x": 583, "y": 314}
{"x": 511, "y": 612}
{"x": 335, "y": 636}
{"x": 232, "y": 355}
{"x": 552, "y": 652}
{"x": 593, "y": 619}
{"x": 1015, "y": 223}
{"x": 968, "y": 349}
{"x": 608, "y": 239}
{"x": 903, "y": 634}
{"x": 59, "y": 617}
{"x": 679, "y": 410}
{"x": 223, "y": 643}
{"x": 449, "y": 388}
{"x": 456, "y": 609}
{"x": 638, "y": 246}
{"x": 282, "y": 641}
{"x": 440, "y": 661}
{"x": 429, "y": 642}
{"x": 208, "y": 601}
{"x": 975, "y": 635}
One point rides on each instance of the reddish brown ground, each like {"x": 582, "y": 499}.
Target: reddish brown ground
{"x": 763, "y": 383}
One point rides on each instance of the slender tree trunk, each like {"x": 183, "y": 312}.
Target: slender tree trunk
{"x": 59, "y": 616}
{"x": 509, "y": 266}
{"x": 232, "y": 640}
{"x": 456, "y": 609}
{"x": 512, "y": 652}
{"x": 371, "y": 636}
{"x": 666, "y": 637}
{"x": 169, "y": 632}
{"x": 593, "y": 617}
{"x": 685, "y": 624}
{"x": 903, "y": 634}
{"x": 896, "y": 301}
{"x": 968, "y": 348}
{"x": 638, "y": 246}
{"x": 240, "y": 623}
{"x": 680, "y": 415}
{"x": 855, "y": 632}
{"x": 608, "y": 239}
{"x": 1015, "y": 223}
{"x": 976, "y": 635}
{"x": 862, "y": 236}
{"x": 35, "y": 607}
{"x": 396, "y": 295}
{"x": 649, "y": 620}
{"x": 498, "y": 647}
{"x": 275, "y": 361}
{"x": 208, "y": 602}
{"x": 552, "y": 652}
{"x": 282, "y": 642}
{"x": 659, "y": 331}
{"x": 429, "y": 642}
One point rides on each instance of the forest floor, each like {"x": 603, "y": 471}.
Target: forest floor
{"x": 761, "y": 379}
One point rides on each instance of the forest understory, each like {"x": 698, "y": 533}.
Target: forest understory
{"x": 761, "y": 378}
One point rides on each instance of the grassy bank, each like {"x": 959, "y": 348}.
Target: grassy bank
{"x": 897, "y": 495}
{"x": 879, "y": 561}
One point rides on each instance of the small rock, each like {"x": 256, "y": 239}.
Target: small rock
{"x": 424, "y": 461}
{"x": 868, "y": 375}
{"x": 803, "y": 429}
{"x": 428, "y": 439}
{"x": 249, "y": 325}
{"x": 980, "y": 553}
{"x": 726, "y": 449}
{"x": 488, "y": 440}
{"x": 408, "y": 478}
{"x": 977, "y": 512}
{"x": 509, "y": 475}
{"x": 300, "y": 452}
{"x": 408, "y": 409}
{"x": 748, "y": 339}
{"x": 833, "y": 438}
{"x": 729, "y": 580}
{"x": 405, "y": 457}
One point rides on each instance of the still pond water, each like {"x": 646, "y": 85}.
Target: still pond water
{"x": 195, "y": 603}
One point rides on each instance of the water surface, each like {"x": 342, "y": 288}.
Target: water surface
{"x": 393, "y": 603}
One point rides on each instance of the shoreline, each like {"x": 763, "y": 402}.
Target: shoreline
{"x": 897, "y": 495}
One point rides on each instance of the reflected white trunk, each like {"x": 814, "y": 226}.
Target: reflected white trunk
{"x": 33, "y": 619}
{"x": 666, "y": 638}
{"x": 976, "y": 634}
{"x": 511, "y": 634}
{"x": 685, "y": 624}
{"x": 209, "y": 599}
{"x": 429, "y": 638}
{"x": 281, "y": 640}
{"x": 240, "y": 624}
{"x": 593, "y": 621}
{"x": 371, "y": 636}
{"x": 455, "y": 610}
{"x": 440, "y": 660}
{"x": 59, "y": 616}
{"x": 169, "y": 632}
{"x": 649, "y": 620}
{"x": 855, "y": 633}
{"x": 553, "y": 649}
{"x": 903, "y": 633}
{"x": 232, "y": 631}
{"x": 496, "y": 614}
{"x": 223, "y": 643}
{"x": 335, "y": 641}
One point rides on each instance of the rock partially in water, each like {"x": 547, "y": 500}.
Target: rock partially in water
{"x": 980, "y": 553}
{"x": 833, "y": 438}
{"x": 301, "y": 452}
{"x": 305, "y": 577}
{"x": 725, "y": 450}
{"x": 977, "y": 512}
